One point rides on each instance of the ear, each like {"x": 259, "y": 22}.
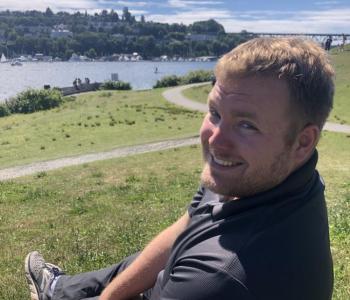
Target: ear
{"x": 306, "y": 142}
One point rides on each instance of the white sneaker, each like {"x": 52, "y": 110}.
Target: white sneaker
{"x": 40, "y": 275}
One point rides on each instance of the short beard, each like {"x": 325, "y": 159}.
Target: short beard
{"x": 264, "y": 179}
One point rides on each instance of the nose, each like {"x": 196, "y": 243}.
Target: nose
{"x": 221, "y": 136}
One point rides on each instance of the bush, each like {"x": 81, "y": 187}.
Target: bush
{"x": 166, "y": 81}
{"x": 191, "y": 77}
{"x": 115, "y": 85}
{"x": 197, "y": 76}
{"x": 33, "y": 100}
{"x": 4, "y": 110}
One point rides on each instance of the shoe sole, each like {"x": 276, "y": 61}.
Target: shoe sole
{"x": 34, "y": 289}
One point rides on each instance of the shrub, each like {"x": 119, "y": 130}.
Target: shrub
{"x": 197, "y": 76}
{"x": 191, "y": 77}
{"x": 166, "y": 81}
{"x": 33, "y": 100}
{"x": 115, "y": 85}
{"x": 4, "y": 110}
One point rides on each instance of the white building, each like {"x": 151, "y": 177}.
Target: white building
{"x": 60, "y": 33}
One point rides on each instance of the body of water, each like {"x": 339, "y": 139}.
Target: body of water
{"x": 141, "y": 75}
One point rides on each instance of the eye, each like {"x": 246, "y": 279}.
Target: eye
{"x": 214, "y": 115}
{"x": 247, "y": 126}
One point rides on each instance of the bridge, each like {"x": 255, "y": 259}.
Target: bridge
{"x": 319, "y": 37}
{"x": 274, "y": 34}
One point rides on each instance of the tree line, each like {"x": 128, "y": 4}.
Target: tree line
{"x": 107, "y": 33}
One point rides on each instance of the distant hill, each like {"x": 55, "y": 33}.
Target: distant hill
{"x": 62, "y": 34}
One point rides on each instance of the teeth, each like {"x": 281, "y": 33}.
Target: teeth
{"x": 224, "y": 163}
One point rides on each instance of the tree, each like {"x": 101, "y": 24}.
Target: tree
{"x": 104, "y": 14}
{"x": 114, "y": 16}
{"x": 205, "y": 27}
{"x": 145, "y": 45}
{"x": 149, "y": 38}
{"x": 217, "y": 48}
{"x": 49, "y": 12}
{"x": 91, "y": 53}
{"x": 201, "y": 48}
{"x": 126, "y": 15}
{"x": 177, "y": 48}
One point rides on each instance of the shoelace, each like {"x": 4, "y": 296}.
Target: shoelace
{"x": 56, "y": 272}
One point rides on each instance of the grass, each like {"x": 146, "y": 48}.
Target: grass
{"x": 93, "y": 215}
{"x": 91, "y": 123}
{"x": 90, "y": 216}
{"x": 334, "y": 166}
{"x": 198, "y": 93}
{"x": 341, "y": 110}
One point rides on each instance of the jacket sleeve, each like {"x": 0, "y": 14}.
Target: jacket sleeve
{"x": 200, "y": 284}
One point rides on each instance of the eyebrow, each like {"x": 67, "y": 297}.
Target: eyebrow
{"x": 236, "y": 114}
{"x": 245, "y": 114}
{"x": 222, "y": 90}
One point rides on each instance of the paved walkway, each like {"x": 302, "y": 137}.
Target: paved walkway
{"x": 173, "y": 95}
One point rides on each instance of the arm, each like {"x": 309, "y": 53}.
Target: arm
{"x": 142, "y": 273}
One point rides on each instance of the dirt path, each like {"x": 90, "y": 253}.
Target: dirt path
{"x": 175, "y": 96}
{"x": 10, "y": 173}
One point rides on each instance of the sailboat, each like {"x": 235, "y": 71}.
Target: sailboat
{"x": 3, "y": 58}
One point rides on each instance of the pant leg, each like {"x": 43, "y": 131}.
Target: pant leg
{"x": 90, "y": 284}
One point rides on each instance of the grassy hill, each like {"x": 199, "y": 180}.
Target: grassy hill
{"x": 90, "y": 216}
{"x": 93, "y": 122}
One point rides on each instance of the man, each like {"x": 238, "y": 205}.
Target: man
{"x": 328, "y": 43}
{"x": 257, "y": 228}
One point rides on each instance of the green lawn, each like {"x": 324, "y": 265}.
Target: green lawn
{"x": 89, "y": 216}
{"x": 341, "y": 109}
{"x": 334, "y": 166}
{"x": 198, "y": 93}
{"x": 94, "y": 122}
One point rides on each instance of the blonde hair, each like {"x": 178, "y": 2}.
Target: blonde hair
{"x": 302, "y": 63}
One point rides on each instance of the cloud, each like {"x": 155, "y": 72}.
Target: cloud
{"x": 66, "y": 5}
{"x": 131, "y": 4}
{"x": 190, "y": 4}
{"x": 91, "y": 6}
{"x": 138, "y": 12}
{"x": 188, "y": 17}
{"x": 330, "y": 2}
{"x": 330, "y": 21}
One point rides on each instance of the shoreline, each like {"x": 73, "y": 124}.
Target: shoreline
{"x": 141, "y": 75}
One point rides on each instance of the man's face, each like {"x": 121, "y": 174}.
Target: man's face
{"x": 244, "y": 136}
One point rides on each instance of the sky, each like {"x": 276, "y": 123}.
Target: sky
{"x": 284, "y": 16}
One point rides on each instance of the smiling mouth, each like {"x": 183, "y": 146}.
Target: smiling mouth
{"x": 225, "y": 163}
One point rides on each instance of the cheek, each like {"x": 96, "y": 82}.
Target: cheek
{"x": 206, "y": 131}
